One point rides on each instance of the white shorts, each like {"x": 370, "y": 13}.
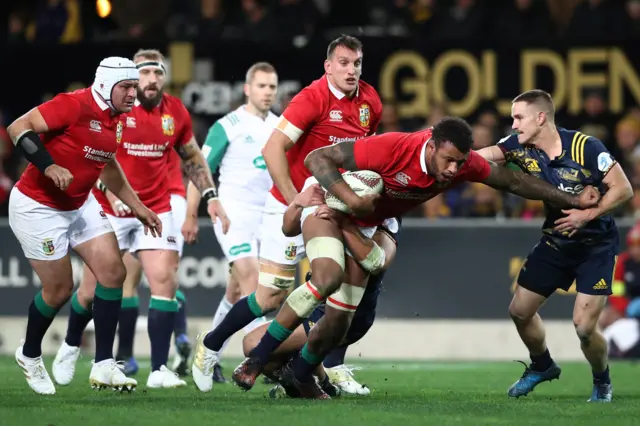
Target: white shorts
{"x": 130, "y": 234}
{"x": 179, "y": 211}
{"x": 367, "y": 231}
{"x": 46, "y": 233}
{"x": 274, "y": 245}
{"x": 241, "y": 239}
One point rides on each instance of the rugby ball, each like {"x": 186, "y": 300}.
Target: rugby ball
{"x": 363, "y": 182}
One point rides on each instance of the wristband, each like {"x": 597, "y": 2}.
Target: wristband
{"x": 102, "y": 187}
{"x": 34, "y": 151}
{"x": 210, "y": 194}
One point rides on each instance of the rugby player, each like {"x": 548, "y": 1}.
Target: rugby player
{"x": 335, "y": 108}
{"x": 51, "y": 209}
{"x": 158, "y": 123}
{"x": 233, "y": 145}
{"x": 576, "y": 244}
{"x": 414, "y": 167}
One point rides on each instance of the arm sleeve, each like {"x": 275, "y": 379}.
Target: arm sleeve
{"x": 594, "y": 156}
{"x": 60, "y": 112}
{"x": 375, "y": 153}
{"x": 215, "y": 145}
{"x": 303, "y": 111}
{"x": 508, "y": 144}
{"x": 478, "y": 168}
{"x": 186, "y": 126}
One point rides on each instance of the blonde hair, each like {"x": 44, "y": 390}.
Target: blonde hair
{"x": 152, "y": 54}
{"x": 259, "y": 66}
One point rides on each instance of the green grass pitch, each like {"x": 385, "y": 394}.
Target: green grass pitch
{"x": 404, "y": 393}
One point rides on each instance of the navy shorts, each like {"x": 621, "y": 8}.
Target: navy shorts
{"x": 548, "y": 269}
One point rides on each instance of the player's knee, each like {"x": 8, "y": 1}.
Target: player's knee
{"x": 112, "y": 274}
{"x": 519, "y": 314}
{"x": 585, "y": 326}
{"x": 327, "y": 279}
{"x": 86, "y": 294}
{"x": 58, "y": 293}
{"x": 269, "y": 299}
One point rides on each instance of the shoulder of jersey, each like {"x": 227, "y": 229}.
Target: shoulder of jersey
{"x": 577, "y": 141}
{"x": 508, "y": 138}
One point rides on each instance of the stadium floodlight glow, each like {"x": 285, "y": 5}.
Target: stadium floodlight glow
{"x": 103, "y": 8}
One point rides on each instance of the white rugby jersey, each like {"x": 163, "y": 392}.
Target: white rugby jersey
{"x": 234, "y": 145}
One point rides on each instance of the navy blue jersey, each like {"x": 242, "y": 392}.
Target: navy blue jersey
{"x": 584, "y": 161}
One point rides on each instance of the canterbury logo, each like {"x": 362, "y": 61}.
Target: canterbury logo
{"x": 600, "y": 285}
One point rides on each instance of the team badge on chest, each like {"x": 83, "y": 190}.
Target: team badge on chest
{"x": 168, "y": 126}
{"x": 365, "y": 115}
{"x": 119, "y": 132}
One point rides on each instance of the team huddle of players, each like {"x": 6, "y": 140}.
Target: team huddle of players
{"x": 105, "y": 179}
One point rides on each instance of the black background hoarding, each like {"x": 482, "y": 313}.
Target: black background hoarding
{"x": 461, "y": 271}
{"x": 413, "y": 75}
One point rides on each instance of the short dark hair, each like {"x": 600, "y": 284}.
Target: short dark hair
{"x": 454, "y": 130}
{"x": 539, "y": 97}
{"x": 344, "y": 40}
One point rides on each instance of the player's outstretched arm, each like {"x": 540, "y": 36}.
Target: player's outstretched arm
{"x": 619, "y": 191}
{"x": 493, "y": 154}
{"x": 275, "y": 156}
{"x": 324, "y": 164}
{"x": 524, "y": 185}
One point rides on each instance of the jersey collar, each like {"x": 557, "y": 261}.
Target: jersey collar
{"x": 102, "y": 104}
{"x": 423, "y": 163}
{"x": 337, "y": 93}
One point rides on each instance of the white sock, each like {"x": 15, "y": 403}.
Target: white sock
{"x": 223, "y": 309}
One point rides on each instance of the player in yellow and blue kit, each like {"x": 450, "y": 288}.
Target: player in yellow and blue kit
{"x": 578, "y": 245}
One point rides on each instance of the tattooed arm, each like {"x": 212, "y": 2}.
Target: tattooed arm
{"x": 197, "y": 169}
{"x": 533, "y": 188}
{"x": 324, "y": 164}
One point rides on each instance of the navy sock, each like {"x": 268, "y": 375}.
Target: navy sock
{"x": 602, "y": 377}
{"x": 180, "y": 326}
{"x": 41, "y": 316}
{"x": 79, "y": 317}
{"x": 106, "y": 311}
{"x": 305, "y": 364}
{"x": 241, "y": 314}
{"x": 335, "y": 357}
{"x": 129, "y": 312}
{"x": 272, "y": 339}
{"x": 160, "y": 321}
{"x": 541, "y": 362}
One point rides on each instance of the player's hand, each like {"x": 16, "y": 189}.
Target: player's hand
{"x": 312, "y": 196}
{"x": 589, "y": 197}
{"x": 216, "y": 211}
{"x": 150, "y": 220}
{"x": 119, "y": 208}
{"x": 60, "y": 176}
{"x": 574, "y": 220}
{"x": 327, "y": 213}
{"x": 366, "y": 205}
{"x": 190, "y": 229}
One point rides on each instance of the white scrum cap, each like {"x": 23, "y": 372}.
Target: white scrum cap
{"x": 112, "y": 71}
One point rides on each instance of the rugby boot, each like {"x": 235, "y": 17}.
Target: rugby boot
{"x": 246, "y": 373}
{"x": 342, "y": 377}
{"x": 531, "y": 378}
{"x": 602, "y": 392}
{"x": 36, "y": 373}
{"x": 202, "y": 367}
{"x": 64, "y": 364}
